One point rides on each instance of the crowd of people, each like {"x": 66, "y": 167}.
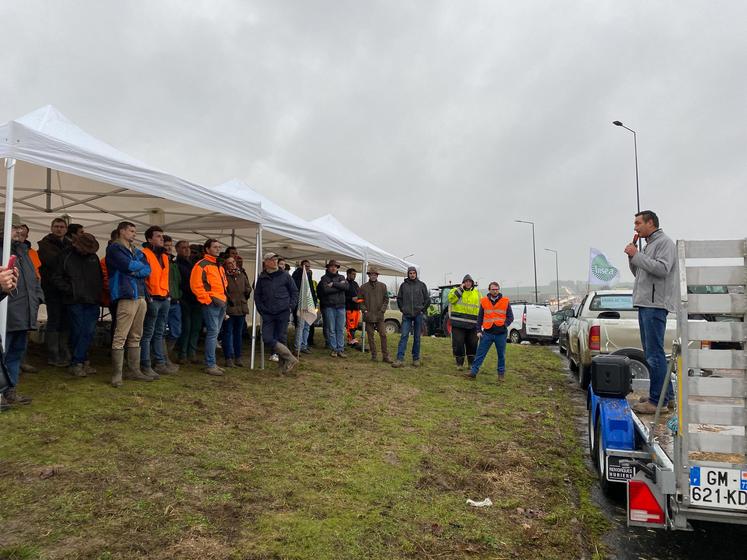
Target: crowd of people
{"x": 160, "y": 303}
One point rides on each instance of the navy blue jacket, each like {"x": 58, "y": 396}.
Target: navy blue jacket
{"x": 496, "y": 329}
{"x": 127, "y": 270}
{"x": 276, "y": 293}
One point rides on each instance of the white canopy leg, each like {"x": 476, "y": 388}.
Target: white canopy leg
{"x": 363, "y": 323}
{"x": 10, "y": 166}
{"x": 254, "y": 299}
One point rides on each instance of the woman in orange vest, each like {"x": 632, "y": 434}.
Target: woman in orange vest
{"x": 492, "y": 321}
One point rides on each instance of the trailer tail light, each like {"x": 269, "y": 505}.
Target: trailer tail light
{"x": 594, "y": 338}
{"x": 643, "y": 507}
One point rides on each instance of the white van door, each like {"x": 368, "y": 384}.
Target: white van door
{"x": 539, "y": 322}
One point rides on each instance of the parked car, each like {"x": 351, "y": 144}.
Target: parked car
{"x": 557, "y": 318}
{"x": 563, "y": 329}
{"x": 607, "y": 323}
{"x": 531, "y": 322}
{"x": 393, "y": 317}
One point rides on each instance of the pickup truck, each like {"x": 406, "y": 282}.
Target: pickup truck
{"x": 606, "y": 322}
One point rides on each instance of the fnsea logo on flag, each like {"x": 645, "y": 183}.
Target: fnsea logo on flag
{"x": 601, "y": 271}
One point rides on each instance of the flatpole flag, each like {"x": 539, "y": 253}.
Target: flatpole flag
{"x": 306, "y": 309}
{"x": 601, "y": 271}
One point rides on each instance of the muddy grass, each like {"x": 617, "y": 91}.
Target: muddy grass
{"x": 347, "y": 460}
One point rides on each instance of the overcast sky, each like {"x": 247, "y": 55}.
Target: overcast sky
{"x": 426, "y": 127}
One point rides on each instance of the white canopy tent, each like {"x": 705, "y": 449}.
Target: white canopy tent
{"x": 54, "y": 168}
{"x": 387, "y": 263}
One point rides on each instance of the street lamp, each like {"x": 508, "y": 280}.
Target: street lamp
{"x": 534, "y": 255}
{"x": 557, "y": 278}
{"x": 635, "y": 153}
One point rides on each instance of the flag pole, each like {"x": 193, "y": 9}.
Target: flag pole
{"x": 254, "y": 300}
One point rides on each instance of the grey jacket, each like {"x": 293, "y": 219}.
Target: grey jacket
{"x": 413, "y": 298}
{"x": 656, "y": 273}
{"x": 24, "y": 301}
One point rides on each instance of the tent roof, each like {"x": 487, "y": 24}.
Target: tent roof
{"x": 388, "y": 263}
{"x": 287, "y": 234}
{"x": 63, "y": 170}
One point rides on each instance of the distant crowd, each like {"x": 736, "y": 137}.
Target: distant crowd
{"x": 160, "y": 302}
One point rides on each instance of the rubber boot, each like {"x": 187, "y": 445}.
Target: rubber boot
{"x": 117, "y": 364}
{"x": 169, "y": 366}
{"x": 289, "y": 361}
{"x": 133, "y": 366}
{"x": 149, "y": 371}
{"x": 52, "y": 340}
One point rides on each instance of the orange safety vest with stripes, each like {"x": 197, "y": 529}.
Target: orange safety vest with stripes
{"x": 208, "y": 280}
{"x": 157, "y": 283}
{"x": 494, "y": 314}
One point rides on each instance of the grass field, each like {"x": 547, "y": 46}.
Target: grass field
{"x": 348, "y": 459}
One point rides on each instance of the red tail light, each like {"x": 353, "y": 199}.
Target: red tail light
{"x": 705, "y": 344}
{"x": 594, "y": 338}
{"x": 643, "y": 507}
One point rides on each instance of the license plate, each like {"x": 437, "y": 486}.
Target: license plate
{"x": 617, "y": 471}
{"x": 718, "y": 488}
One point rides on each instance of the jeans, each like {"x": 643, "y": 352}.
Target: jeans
{"x": 212, "y": 316}
{"x": 153, "y": 329}
{"x": 15, "y": 347}
{"x": 302, "y": 334}
{"x": 334, "y": 327}
{"x": 174, "y": 320}
{"x": 233, "y": 335}
{"x": 275, "y": 329}
{"x": 486, "y": 341}
{"x": 83, "y": 318}
{"x": 191, "y": 327}
{"x": 414, "y": 324}
{"x": 653, "y": 324}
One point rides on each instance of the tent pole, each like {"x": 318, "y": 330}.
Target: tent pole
{"x": 260, "y": 263}
{"x": 48, "y": 190}
{"x": 363, "y": 323}
{"x": 10, "y": 166}
{"x": 233, "y": 237}
{"x": 254, "y": 301}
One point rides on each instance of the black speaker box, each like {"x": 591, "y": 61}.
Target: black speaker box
{"x": 610, "y": 376}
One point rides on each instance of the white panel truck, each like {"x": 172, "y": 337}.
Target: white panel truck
{"x": 691, "y": 466}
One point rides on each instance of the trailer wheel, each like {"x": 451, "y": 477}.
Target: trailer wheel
{"x": 609, "y": 489}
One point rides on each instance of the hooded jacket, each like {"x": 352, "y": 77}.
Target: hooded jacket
{"x": 331, "y": 290}
{"x": 23, "y": 303}
{"x": 413, "y": 297}
{"x": 656, "y": 273}
{"x": 276, "y": 293}
{"x": 79, "y": 279}
{"x": 127, "y": 270}
{"x": 51, "y": 248}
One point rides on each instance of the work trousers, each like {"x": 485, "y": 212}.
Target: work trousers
{"x": 130, "y": 318}
{"x": 371, "y": 327}
{"x": 191, "y": 327}
{"x": 464, "y": 343}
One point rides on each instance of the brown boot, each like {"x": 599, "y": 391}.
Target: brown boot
{"x": 133, "y": 366}
{"x": 12, "y": 397}
{"x": 117, "y": 364}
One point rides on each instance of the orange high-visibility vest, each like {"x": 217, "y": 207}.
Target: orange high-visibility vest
{"x": 494, "y": 314}
{"x": 157, "y": 283}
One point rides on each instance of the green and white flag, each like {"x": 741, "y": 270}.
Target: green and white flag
{"x": 601, "y": 271}
{"x": 306, "y": 309}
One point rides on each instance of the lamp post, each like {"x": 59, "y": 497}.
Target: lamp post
{"x": 635, "y": 153}
{"x": 557, "y": 278}
{"x": 534, "y": 255}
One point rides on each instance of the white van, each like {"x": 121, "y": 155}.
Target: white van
{"x": 531, "y": 322}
